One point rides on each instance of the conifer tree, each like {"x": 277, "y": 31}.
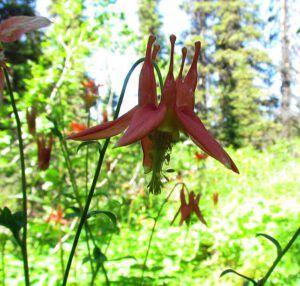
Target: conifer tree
{"x": 234, "y": 67}
{"x": 150, "y": 22}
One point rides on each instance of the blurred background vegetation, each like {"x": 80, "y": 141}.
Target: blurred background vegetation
{"x": 247, "y": 96}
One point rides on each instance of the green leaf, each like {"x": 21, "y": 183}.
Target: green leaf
{"x": 76, "y": 213}
{"x": 86, "y": 259}
{"x": 241, "y": 275}
{"x": 13, "y": 221}
{"x": 89, "y": 143}
{"x": 99, "y": 256}
{"x": 122, "y": 258}
{"x": 55, "y": 129}
{"x": 298, "y": 31}
{"x": 274, "y": 241}
{"x": 109, "y": 214}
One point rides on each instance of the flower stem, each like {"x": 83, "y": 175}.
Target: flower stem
{"x": 23, "y": 178}
{"x": 152, "y": 231}
{"x": 96, "y": 176}
{"x": 279, "y": 257}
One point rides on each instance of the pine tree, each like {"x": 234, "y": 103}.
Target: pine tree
{"x": 150, "y": 22}
{"x": 234, "y": 64}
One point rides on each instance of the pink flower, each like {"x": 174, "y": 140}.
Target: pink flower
{"x": 12, "y": 29}
{"x": 186, "y": 210}
{"x": 158, "y": 126}
{"x": 146, "y": 108}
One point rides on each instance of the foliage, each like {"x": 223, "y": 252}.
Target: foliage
{"x": 263, "y": 199}
{"x": 260, "y": 200}
{"x": 235, "y": 68}
{"x": 150, "y": 21}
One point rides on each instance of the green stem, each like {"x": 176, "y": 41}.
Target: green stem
{"x": 3, "y": 261}
{"x": 159, "y": 76}
{"x": 87, "y": 159}
{"x": 96, "y": 176}
{"x": 23, "y": 178}
{"x": 279, "y": 257}
{"x": 152, "y": 232}
{"x": 66, "y": 153}
{"x": 105, "y": 273}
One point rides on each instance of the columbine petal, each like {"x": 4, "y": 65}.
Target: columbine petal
{"x": 13, "y": 28}
{"x": 195, "y": 128}
{"x": 144, "y": 121}
{"x": 147, "y": 84}
{"x": 147, "y": 147}
{"x": 197, "y": 210}
{"x": 107, "y": 129}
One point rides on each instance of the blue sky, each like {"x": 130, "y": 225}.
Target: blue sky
{"x": 112, "y": 67}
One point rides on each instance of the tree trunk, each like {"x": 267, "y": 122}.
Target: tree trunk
{"x": 285, "y": 70}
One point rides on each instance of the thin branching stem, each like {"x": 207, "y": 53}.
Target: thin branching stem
{"x": 279, "y": 257}
{"x": 96, "y": 176}
{"x": 153, "y": 229}
{"x": 23, "y": 179}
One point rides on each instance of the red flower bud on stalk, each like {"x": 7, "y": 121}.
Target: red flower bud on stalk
{"x": 215, "y": 198}
{"x": 44, "y": 152}
{"x": 104, "y": 116}
{"x": 30, "y": 118}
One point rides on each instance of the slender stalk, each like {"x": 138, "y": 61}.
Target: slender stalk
{"x": 152, "y": 231}
{"x": 87, "y": 158}
{"x": 23, "y": 179}
{"x": 279, "y": 257}
{"x": 3, "y": 261}
{"x": 66, "y": 153}
{"x": 105, "y": 273}
{"x": 96, "y": 176}
{"x": 96, "y": 272}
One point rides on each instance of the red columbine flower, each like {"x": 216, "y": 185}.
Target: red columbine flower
{"x": 158, "y": 127}
{"x": 186, "y": 210}
{"x": 91, "y": 94}
{"x": 57, "y": 217}
{"x": 12, "y": 29}
{"x": 146, "y": 108}
{"x": 77, "y": 127}
{"x": 44, "y": 152}
{"x": 200, "y": 156}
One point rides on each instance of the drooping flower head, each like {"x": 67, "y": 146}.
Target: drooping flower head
{"x": 91, "y": 92}
{"x": 147, "y": 105}
{"x": 12, "y": 29}
{"x": 31, "y": 118}
{"x": 158, "y": 127}
{"x": 44, "y": 152}
{"x": 186, "y": 209}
